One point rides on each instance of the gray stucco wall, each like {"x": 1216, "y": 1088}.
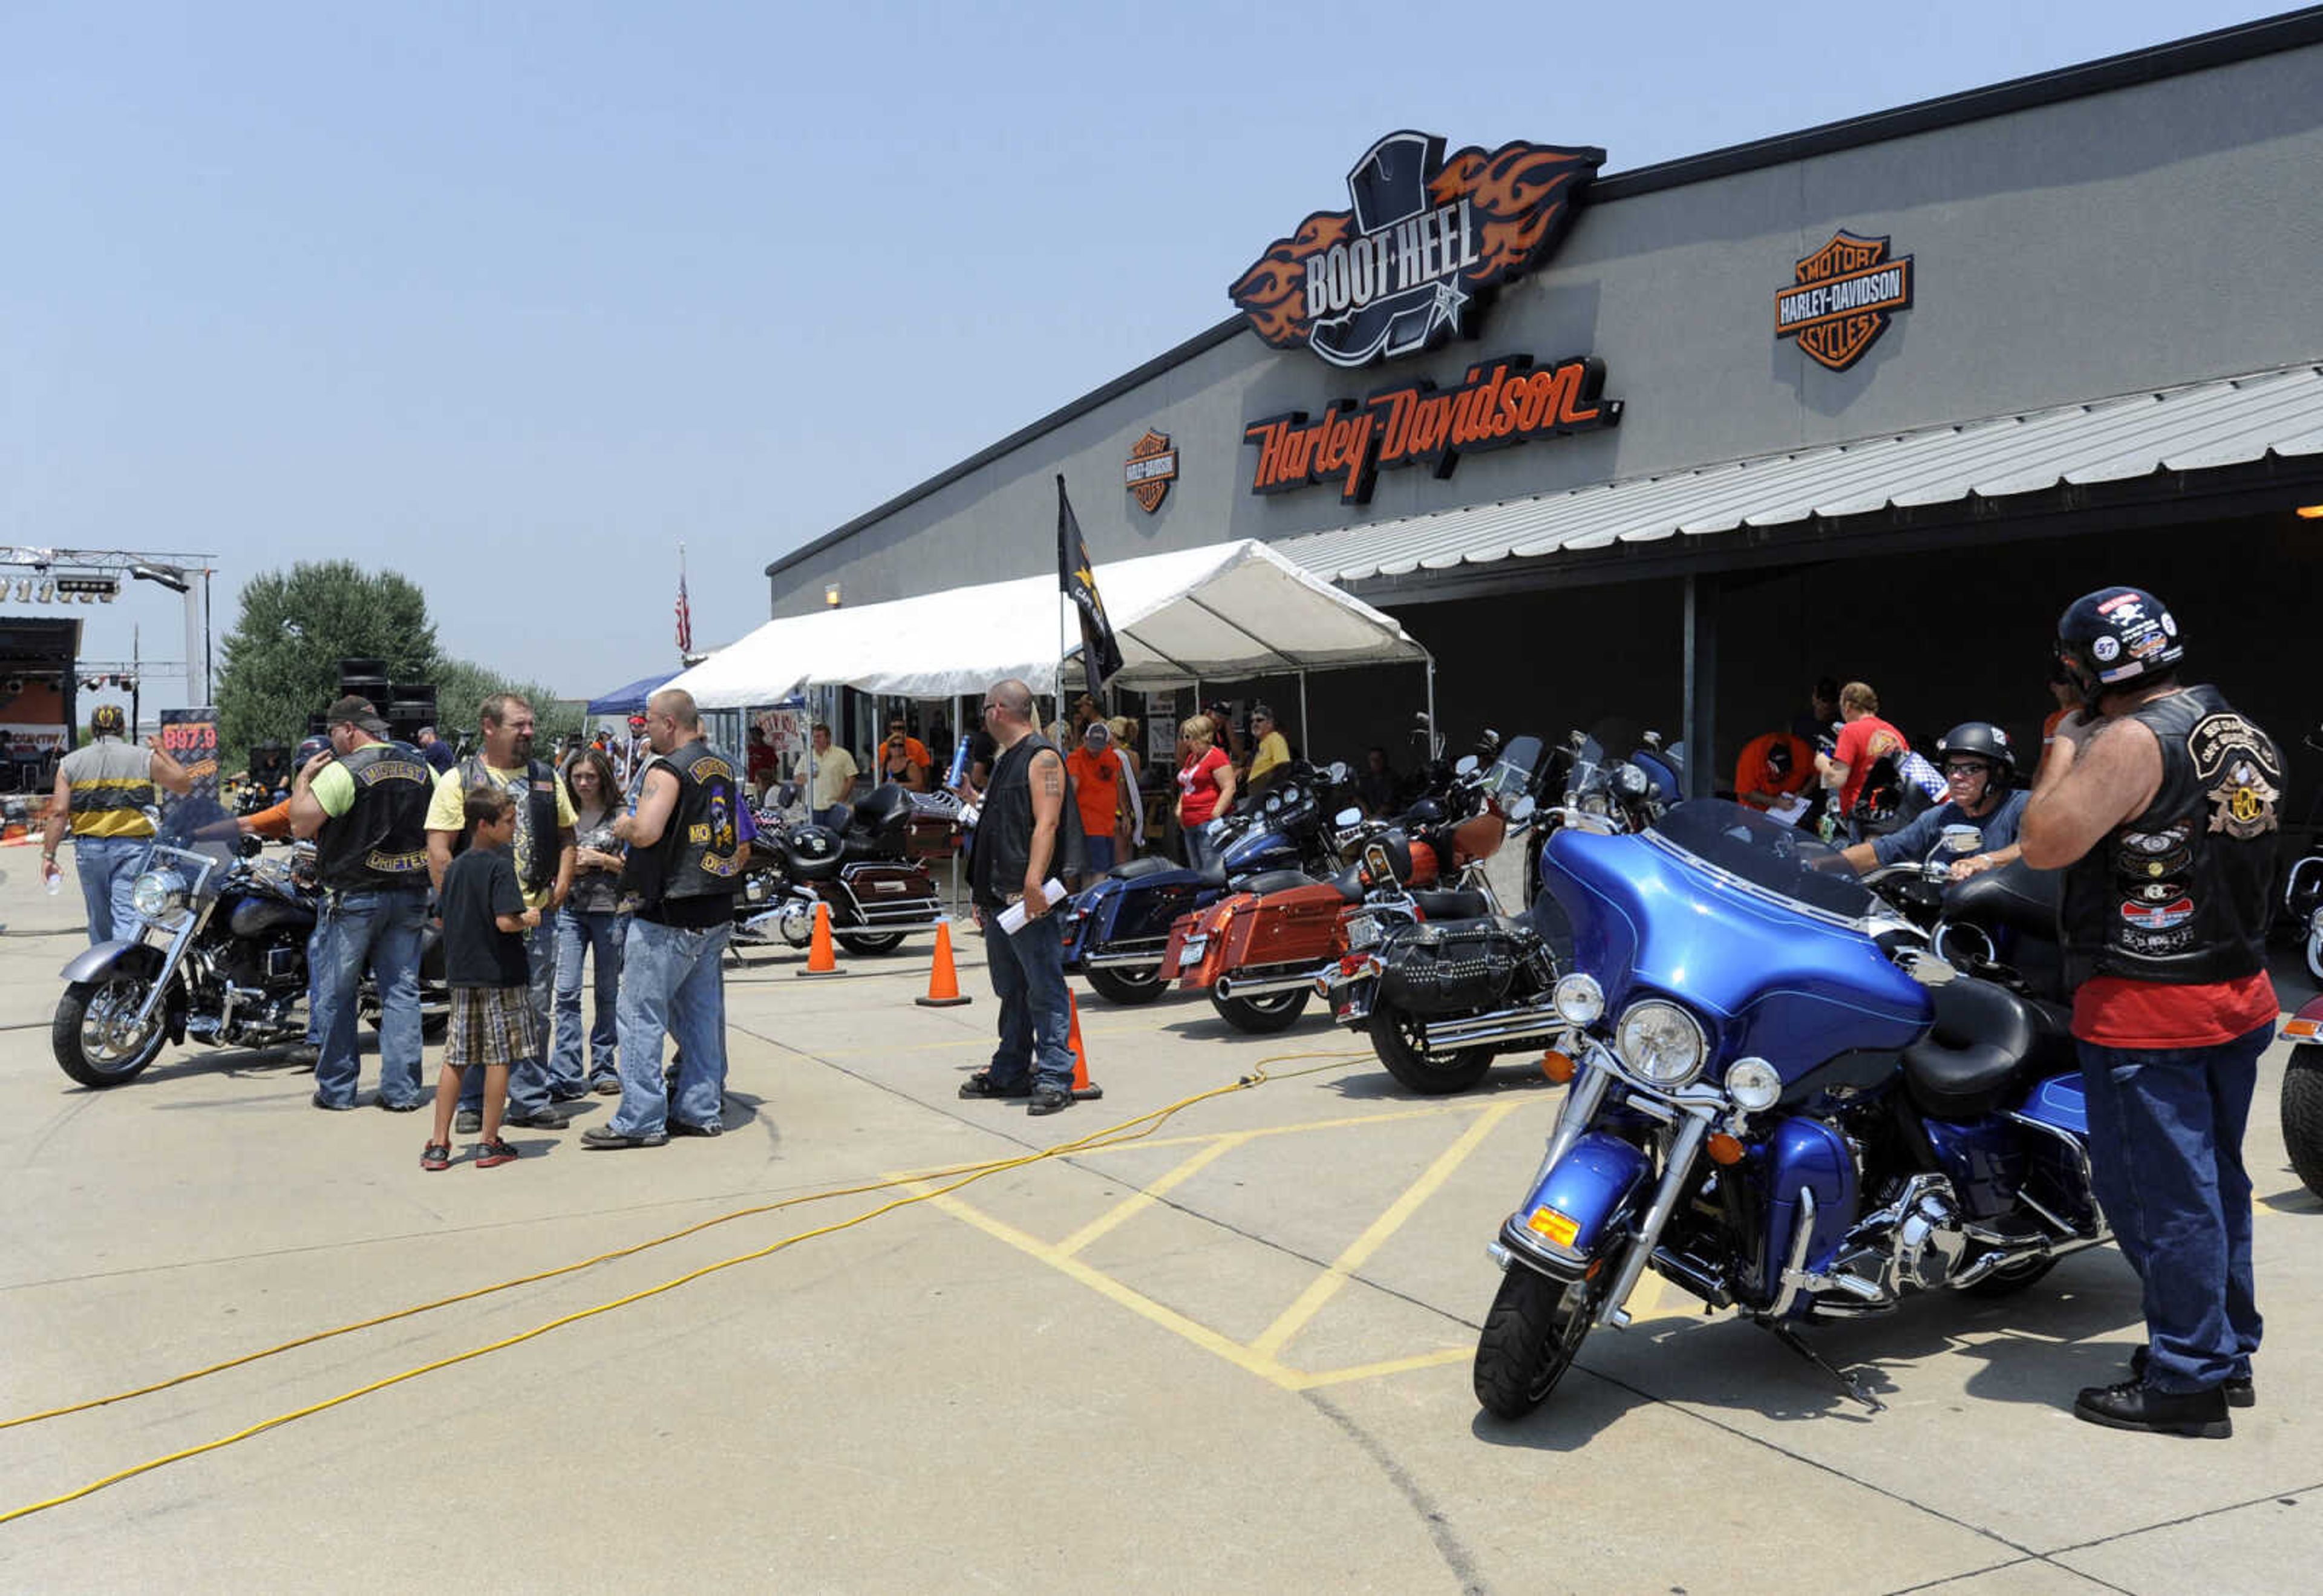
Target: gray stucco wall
{"x": 2134, "y": 239}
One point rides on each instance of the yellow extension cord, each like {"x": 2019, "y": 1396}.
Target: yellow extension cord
{"x": 957, "y": 1176}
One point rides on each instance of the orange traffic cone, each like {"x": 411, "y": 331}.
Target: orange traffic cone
{"x": 819, "y": 960}
{"x": 1083, "y": 1087}
{"x": 943, "y": 984}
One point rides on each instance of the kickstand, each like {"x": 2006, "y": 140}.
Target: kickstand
{"x": 1790, "y": 1338}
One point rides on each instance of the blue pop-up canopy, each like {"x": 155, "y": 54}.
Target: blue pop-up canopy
{"x": 629, "y": 700}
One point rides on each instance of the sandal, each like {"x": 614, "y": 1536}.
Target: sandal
{"x": 492, "y": 1155}
{"x": 436, "y": 1155}
{"x": 982, "y": 1085}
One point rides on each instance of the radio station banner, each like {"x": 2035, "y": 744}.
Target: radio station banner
{"x": 190, "y": 736}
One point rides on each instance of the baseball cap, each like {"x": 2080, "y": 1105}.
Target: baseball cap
{"x": 1096, "y": 732}
{"x": 361, "y": 711}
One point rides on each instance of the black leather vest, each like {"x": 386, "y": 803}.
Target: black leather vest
{"x": 700, "y": 847}
{"x": 381, "y": 843}
{"x": 536, "y": 816}
{"x": 1003, "y": 843}
{"x": 2180, "y": 893}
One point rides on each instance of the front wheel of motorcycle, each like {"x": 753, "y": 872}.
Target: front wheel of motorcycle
{"x": 1534, "y": 1327}
{"x": 1128, "y": 984}
{"x": 1396, "y": 1038}
{"x": 870, "y": 942}
{"x": 94, "y": 1035}
{"x": 1260, "y": 1017}
{"x": 2302, "y": 1114}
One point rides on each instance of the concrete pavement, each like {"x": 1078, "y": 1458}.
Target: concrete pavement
{"x": 1229, "y": 1355}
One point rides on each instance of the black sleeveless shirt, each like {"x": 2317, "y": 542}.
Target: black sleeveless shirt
{"x": 699, "y": 853}
{"x": 2179, "y": 895}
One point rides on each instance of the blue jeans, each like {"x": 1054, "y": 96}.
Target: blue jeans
{"x": 1028, "y": 977}
{"x": 672, "y": 984}
{"x": 586, "y": 934}
{"x": 1099, "y": 852}
{"x": 1199, "y": 851}
{"x": 380, "y": 930}
{"x": 2166, "y": 1149}
{"x": 107, "y": 867}
{"x": 530, "y": 1079}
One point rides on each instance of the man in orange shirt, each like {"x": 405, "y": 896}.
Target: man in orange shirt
{"x": 1097, "y": 788}
{"x": 1773, "y": 767}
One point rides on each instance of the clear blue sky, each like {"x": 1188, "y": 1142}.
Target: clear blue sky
{"x": 514, "y": 296}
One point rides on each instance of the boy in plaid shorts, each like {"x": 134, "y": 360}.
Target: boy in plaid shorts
{"x": 484, "y": 922}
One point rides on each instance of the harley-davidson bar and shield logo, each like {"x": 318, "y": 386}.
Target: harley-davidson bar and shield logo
{"x": 1153, "y": 466}
{"x": 1843, "y": 297}
{"x": 1426, "y": 238}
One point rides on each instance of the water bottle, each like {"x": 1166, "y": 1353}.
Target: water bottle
{"x": 51, "y": 877}
{"x": 958, "y": 764}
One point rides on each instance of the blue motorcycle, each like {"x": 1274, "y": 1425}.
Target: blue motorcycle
{"x": 1118, "y": 930}
{"x": 1783, "y": 1099}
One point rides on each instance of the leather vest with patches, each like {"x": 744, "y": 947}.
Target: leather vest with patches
{"x": 381, "y": 843}
{"x": 700, "y": 850}
{"x": 2180, "y": 893}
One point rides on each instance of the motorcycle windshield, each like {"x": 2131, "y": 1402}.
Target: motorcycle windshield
{"x": 1724, "y": 911}
{"x": 1513, "y": 773}
{"x": 200, "y": 825}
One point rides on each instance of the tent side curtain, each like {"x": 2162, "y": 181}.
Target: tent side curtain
{"x": 1223, "y": 612}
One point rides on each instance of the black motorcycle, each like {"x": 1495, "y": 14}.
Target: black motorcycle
{"x": 218, "y": 957}
{"x": 877, "y": 894}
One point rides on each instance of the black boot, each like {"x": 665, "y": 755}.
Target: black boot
{"x": 2133, "y": 1405}
{"x": 2240, "y": 1393}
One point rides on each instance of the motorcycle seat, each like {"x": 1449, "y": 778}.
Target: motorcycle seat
{"x": 1349, "y": 884}
{"x": 1983, "y": 1039}
{"x": 1450, "y": 903}
{"x": 1273, "y": 881}
{"x": 1150, "y": 865}
{"x": 255, "y": 917}
{"x": 1214, "y": 871}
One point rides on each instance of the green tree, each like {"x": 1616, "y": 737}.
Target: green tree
{"x": 462, "y": 687}
{"x": 282, "y": 658}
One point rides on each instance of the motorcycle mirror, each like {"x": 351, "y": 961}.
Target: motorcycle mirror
{"x": 1961, "y": 840}
{"x": 1347, "y": 817}
{"x": 1653, "y": 740}
{"x": 1519, "y": 809}
{"x": 1466, "y": 765}
{"x": 1336, "y": 773}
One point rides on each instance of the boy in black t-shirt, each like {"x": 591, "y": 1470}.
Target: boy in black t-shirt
{"x": 484, "y": 922}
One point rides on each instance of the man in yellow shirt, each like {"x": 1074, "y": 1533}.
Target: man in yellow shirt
{"x": 544, "y": 854}
{"x": 1271, "y": 750}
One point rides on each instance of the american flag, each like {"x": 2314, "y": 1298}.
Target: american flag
{"x": 684, "y": 618}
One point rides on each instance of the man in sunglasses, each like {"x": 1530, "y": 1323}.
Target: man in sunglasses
{"x": 1979, "y": 771}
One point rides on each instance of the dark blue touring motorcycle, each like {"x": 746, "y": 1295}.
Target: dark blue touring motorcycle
{"x": 1118, "y": 930}
{"x": 1783, "y": 1098}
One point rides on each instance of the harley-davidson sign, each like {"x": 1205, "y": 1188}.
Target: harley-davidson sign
{"x": 1426, "y": 239}
{"x": 1843, "y": 297}
{"x": 1152, "y": 467}
{"x": 1500, "y": 401}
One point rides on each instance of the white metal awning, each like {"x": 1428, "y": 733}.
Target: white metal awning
{"x": 2231, "y": 421}
{"x": 1223, "y": 612}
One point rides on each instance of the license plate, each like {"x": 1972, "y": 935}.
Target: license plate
{"x": 1556, "y": 1227}
{"x": 1192, "y": 950}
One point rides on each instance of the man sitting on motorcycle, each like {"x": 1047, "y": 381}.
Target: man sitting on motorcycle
{"x": 1980, "y": 771}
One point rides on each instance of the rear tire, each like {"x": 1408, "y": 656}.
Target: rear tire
{"x": 1127, "y": 983}
{"x": 870, "y": 942}
{"x": 1529, "y": 1337}
{"x": 86, "y": 1034}
{"x": 1263, "y": 1016}
{"x": 1395, "y": 1038}
{"x": 2302, "y": 1114}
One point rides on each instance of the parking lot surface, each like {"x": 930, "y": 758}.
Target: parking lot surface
{"x": 1219, "y": 1349}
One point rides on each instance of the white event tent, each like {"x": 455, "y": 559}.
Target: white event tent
{"x": 1225, "y": 612}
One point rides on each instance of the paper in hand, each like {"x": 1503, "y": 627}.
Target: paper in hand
{"x": 1012, "y": 918}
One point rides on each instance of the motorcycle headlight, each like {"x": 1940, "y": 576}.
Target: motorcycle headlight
{"x": 1661, "y": 1042}
{"x": 158, "y": 894}
{"x": 1753, "y": 1084}
{"x": 1633, "y": 781}
{"x": 1579, "y": 1000}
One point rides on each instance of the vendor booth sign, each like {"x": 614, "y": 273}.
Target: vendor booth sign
{"x": 1425, "y": 243}
{"x": 190, "y": 736}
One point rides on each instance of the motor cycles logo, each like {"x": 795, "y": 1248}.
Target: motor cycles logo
{"x": 1153, "y": 466}
{"x": 1841, "y": 298}
{"x": 2239, "y": 761}
{"x": 1426, "y": 239}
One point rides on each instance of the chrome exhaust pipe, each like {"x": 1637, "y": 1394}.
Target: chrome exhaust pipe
{"x": 1122, "y": 960}
{"x": 1229, "y": 988}
{"x": 1499, "y": 1025}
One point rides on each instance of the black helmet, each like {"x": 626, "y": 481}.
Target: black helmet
{"x": 108, "y": 721}
{"x": 1980, "y": 739}
{"x": 2116, "y": 634}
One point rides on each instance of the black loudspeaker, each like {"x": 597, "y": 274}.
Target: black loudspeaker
{"x": 364, "y": 670}
{"x": 319, "y": 726}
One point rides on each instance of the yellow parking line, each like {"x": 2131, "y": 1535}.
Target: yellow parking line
{"x": 1130, "y": 1207}
{"x": 1435, "y": 1360}
{"x": 1145, "y": 1306}
{"x": 1325, "y": 1286}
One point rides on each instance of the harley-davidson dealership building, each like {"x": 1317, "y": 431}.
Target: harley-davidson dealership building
{"x": 1874, "y": 400}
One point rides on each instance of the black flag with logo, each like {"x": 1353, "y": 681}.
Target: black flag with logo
{"x": 1100, "y": 655}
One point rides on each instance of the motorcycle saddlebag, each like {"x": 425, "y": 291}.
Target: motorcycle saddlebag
{"x": 1451, "y": 967}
